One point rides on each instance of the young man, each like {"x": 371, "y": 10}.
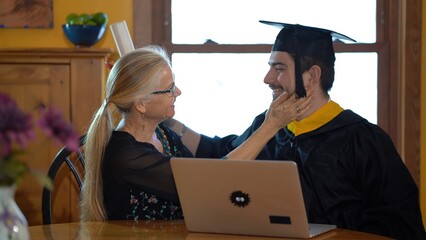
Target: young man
{"x": 350, "y": 171}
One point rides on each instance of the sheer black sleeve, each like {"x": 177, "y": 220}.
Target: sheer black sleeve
{"x": 217, "y": 147}
{"x": 128, "y": 162}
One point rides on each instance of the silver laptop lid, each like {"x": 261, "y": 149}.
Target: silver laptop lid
{"x": 245, "y": 197}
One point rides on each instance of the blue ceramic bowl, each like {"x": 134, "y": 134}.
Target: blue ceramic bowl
{"x": 83, "y": 35}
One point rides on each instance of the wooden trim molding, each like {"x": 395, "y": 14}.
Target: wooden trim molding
{"x": 412, "y": 87}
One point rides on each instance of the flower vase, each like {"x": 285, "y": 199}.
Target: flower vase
{"x": 13, "y": 224}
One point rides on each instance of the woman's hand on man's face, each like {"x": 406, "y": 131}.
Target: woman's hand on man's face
{"x": 286, "y": 109}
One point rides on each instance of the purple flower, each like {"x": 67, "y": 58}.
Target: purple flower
{"x": 16, "y": 130}
{"x": 15, "y": 125}
{"x": 54, "y": 125}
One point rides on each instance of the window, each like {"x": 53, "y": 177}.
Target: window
{"x": 392, "y": 48}
{"x": 223, "y": 90}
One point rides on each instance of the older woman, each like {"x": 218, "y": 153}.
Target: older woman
{"x": 128, "y": 174}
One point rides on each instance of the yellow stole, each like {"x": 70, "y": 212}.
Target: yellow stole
{"x": 324, "y": 115}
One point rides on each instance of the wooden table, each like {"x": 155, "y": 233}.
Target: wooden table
{"x": 155, "y": 230}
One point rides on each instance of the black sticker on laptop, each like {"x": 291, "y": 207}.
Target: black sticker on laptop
{"x": 280, "y": 219}
{"x": 239, "y": 198}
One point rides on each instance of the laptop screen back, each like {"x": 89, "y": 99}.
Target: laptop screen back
{"x": 245, "y": 197}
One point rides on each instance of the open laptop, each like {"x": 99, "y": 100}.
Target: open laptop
{"x": 260, "y": 198}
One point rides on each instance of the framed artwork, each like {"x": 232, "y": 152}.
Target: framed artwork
{"x": 26, "y": 14}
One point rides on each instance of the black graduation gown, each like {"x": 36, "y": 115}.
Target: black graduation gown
{"x": 137, "y": 178}
{"x": 350, "y": 171}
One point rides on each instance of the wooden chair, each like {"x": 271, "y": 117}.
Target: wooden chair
{"x": 74, "y": 160}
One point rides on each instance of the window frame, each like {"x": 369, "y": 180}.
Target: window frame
{"x": 399, "y": 65}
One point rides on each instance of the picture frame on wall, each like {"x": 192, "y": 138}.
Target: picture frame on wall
{"x": 26, "y": 14}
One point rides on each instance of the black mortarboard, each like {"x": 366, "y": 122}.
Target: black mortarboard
{"x": 305, "y": 41}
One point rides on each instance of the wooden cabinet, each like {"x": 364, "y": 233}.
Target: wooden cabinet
{"x": 71, "y": 80}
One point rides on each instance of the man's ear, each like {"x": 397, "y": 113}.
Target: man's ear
{"x": 314, "y": 74}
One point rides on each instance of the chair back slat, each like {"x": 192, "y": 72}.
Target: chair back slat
{"x": 70, "y": 159}
{"x": 74, "y": 172}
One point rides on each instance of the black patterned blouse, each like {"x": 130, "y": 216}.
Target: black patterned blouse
{"x": 137, "y": 179}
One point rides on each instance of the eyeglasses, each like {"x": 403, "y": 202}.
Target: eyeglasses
{"x": 170, "y": 92}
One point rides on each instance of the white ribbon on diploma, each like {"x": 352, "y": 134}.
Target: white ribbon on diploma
{"x": 122, "y": 37}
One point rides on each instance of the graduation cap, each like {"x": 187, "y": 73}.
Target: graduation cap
{"x": 305, "y": 41}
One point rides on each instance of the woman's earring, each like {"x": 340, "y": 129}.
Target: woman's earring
{"x": 143, "y": 121}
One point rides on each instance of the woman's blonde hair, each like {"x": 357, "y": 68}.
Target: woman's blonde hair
{"x": 132, "y": 78}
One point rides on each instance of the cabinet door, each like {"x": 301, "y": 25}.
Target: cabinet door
{"x": 30, "y": 85}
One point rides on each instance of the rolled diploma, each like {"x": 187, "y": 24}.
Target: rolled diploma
{"x": 122, "y": 37}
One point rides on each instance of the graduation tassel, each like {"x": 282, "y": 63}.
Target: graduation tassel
{"x": 300, "y": 88}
